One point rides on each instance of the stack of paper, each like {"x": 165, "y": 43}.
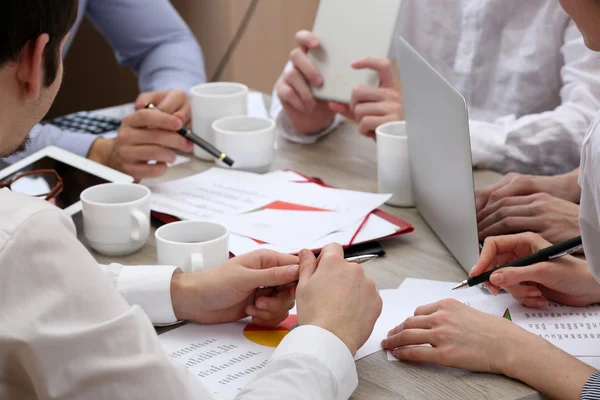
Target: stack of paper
{"x": 280, "y": 211}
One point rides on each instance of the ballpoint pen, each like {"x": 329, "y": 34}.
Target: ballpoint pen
{"x": 358, "y": 259}
{"x": 197, "y": 140}
{"x": 549, "y": 253}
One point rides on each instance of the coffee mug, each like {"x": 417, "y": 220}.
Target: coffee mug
{"x": 211, "y": 101}
{"x": 116, "y": 217}
{"x": 250, "y": 141}
{"x": 192, "y": 245}
{"x": 393, "y": 167}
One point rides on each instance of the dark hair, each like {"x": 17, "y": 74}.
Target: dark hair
{"x": 23, "y": 21}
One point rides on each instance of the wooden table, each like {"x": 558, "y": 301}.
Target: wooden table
{"x": 348, "y": 161}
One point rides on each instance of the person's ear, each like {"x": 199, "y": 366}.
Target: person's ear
{"x": 30, "y": 67}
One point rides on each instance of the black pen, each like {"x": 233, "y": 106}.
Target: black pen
{"x": 549, "y": 253}
{"x": 197, "y": 140}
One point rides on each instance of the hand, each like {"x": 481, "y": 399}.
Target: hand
{"x": 337, "y": 296}
{"x": 306, "y": 114}
{"x": 175, "y": 102}
{"x": 563, "y": 186}
{"x": 371, "y": 107}
{"x": 144, "y": 135}
{"x": 554, "y": 219}
{"x": 231, "y": 291}
{"x": 460, "y": 336}
{"x": 566, "y": 280}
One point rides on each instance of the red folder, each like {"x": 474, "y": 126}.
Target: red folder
{"x": 403, "y": 226}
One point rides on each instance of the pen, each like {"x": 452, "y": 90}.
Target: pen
{"x": 358, "y": 259}
{"x": 549, "y": 253}
{"x": 197, "y": 140}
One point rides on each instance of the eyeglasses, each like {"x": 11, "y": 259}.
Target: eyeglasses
{"x": 44, "y": 183}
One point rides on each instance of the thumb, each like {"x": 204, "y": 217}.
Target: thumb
{"x": 308, "y": 264}
{"x": 276, "y": 276}
{"x": 142, "y": 100}
{"x": 537, "y": 273}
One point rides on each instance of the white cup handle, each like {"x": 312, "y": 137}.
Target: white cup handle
{"x": 141, "y": 226}
{"x": 196, "y": 262}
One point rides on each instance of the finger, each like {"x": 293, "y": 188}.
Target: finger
{"x": 481, "y": 198}
{"x": 154, "y": 119}
{"x": 276, "y": 276}
{"x": 371, "y": 123}
{"x": 308, "y": 265}
{"x": 264, "y": 259}
{"x": 416, "y": 322}
{"x": 513, "y": 185}
{"x": 541, "y": 273}
{"x": 284, "y": 301}
{"x": 307, "y": 40}
{"x": 306, "y": 67}
{"x": 535, "y": 302}
{"x": 427, "y": 309}
{"x": 174, "y": 101}
{"x": 491, "y": 208}
{"x": 493, "y": 289}
{"x": 342, "y": 109}
{"x": 410, "y": 337}
{"x": 382, "y": 66}
{"x": 136, "y": 136}
{"x": 363, "y": 110}
{"x": 417, "y": 354}
{"x": 524, "y": 291}
{"x": 145, "y": 171}
{"x": 270, "y": 323}
{"x": 364, "y": 94}
{"x": 523, "y": 210}
{"x": 297, "y": 82}
{"x": 288, "y": 96}
{"x": 147, "y": 153}
{"x": 511, "y": 224}
{"x": 148, "y": 97}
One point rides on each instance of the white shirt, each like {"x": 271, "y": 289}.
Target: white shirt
{"x": 531, "y": 85}
{"x": 66, "y": 332}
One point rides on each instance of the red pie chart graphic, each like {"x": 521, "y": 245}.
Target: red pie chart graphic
{"x": 270, "y": 337}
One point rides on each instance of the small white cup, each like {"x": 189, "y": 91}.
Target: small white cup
{"x": 192, "y": 245}
{"x": 249, "y": 141}
{"x": 116, "y": 217}
{"x": 393, "y": 167}
{"x": 211, "y": 101}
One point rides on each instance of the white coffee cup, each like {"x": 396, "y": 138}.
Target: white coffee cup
{"x": 211, "y": 101}
{"x": 116, "y": 217}
{"x": 393, "y": 167}
{"x": 192, "y": 245}
{"x": 249, "y": 141}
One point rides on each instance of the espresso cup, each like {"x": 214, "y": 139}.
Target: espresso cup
{"x": 393, "y": 167}
{"x": 249, "y": 141}
{"x": 192, "y": 245}
{"x": 116, "y": 217}
{"x": 211, "y": 101}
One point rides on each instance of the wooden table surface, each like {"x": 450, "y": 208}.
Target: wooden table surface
{"x": 348, "y": 161}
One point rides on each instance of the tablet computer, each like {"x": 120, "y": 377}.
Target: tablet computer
{"x": 349, "y": 30}
{"x": 77, "y": 173}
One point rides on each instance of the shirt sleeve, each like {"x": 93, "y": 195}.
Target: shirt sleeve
{"x": 42, "y": 136}
{"x": 150, "y": 37}
{"x": 286, "y": 129}
{"x": 58, "y": 308}
{"x": 549, "y": 142}
{"x": 591, "y": 389}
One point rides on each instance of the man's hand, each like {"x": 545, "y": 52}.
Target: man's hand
{"x": 231, "y": 291}
{"x": 566, "y": 280}
{"x": 554, "y": 219}
{"x": 306, "y": 114}
{"x": 371, "y": 107}
{"x": 337, "y": 296}
{"x": 563, "y": 186}
{"x": 174, "y": 102}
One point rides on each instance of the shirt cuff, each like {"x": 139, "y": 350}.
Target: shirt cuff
{"x": 326, "y": 348}
{"x": 287, "y": 130}
{"x": 77, "y": 143}
{"x": 591, "y": 389}
{"x": 487, "y": 143}
{"x": 150, "y": 288}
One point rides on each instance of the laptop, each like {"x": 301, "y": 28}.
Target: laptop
{"x": 439, "y": 146}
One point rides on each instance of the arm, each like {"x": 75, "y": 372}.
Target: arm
{"x": 548, "y": 142}
{"x": 151, "y": 38}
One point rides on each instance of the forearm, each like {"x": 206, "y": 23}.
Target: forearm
{"x": 548, "y": 369}
{"x": 570, "y": 189}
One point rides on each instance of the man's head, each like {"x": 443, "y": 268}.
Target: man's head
{"x": 586, "y": 14}
{"x": 32, "y": 35}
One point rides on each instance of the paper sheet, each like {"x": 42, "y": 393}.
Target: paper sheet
{"x": 574, "y": 330}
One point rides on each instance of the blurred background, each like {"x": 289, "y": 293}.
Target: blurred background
{"x": 257, "y": 60}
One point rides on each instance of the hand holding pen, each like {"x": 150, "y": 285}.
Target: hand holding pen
{"x": 552, "y": 277}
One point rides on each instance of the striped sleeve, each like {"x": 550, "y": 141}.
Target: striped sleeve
{"x": 591, "y": 390}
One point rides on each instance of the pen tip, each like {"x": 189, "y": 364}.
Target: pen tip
{"x": 461, "y": 285}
